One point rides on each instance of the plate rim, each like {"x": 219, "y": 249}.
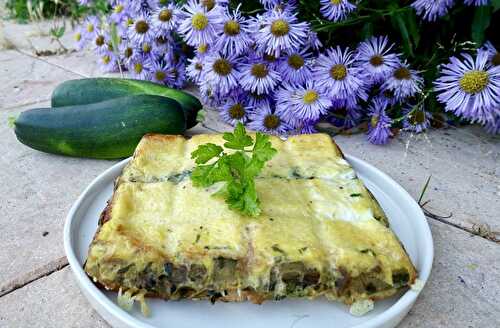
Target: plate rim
{"x": 405, "y": 302}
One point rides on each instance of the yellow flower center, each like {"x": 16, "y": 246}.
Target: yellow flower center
{"x": 146, "y": 47}
{"x": 106, "y": 59}
{"x": 237, "y": 111}
{"x": 259, "y": 71}
{"x": 90, "y": 28}
{"x": 374, "y": 120}
{"x": 335, "y": 2}
{"x": 232, "y": 28}
{"x": 138, "y": 68}
{"x": 141, "y": 26}
{"x": 130, "y": 21}
{"x": 99, "y": 41}
{"x": 165, "y": 15}
{"x": 338, "y": 72}
{"x": 271, "y": 121}
{"x": 202, "y": 48}
{"x": 377, "y": 60}
{"x": 296, "y": 61}
{"x": 128, "y": 52}
{"x": 208, "y": 4}
{"x": 198, "y": 66}
{"x": 110, "y": 46}
{"x": 402, "y": 73}
{"x": 222, "y": 67}
{"x": 78, "y": 36}
{"x": 161, "y": 40}
{"x": 118, "y": 9}
{"x": 496, "y": 59}
{"x": 269, "y": 58}
{"x": 199, "y": 21}
{"x": 280, "y": 27}
{"x": 310, "y": 96}
{"x": 474, "y": 81}
{"x": 160, "y": 75}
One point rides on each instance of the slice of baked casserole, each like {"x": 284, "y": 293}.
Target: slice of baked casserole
{"x": 320, "y": 233}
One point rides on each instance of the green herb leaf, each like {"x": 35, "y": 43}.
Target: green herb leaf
{"x": 206, "y": 152}
{"x": 238, "y": 139}
{"x": 238, "y": 170}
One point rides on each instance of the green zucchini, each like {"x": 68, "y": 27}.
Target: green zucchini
{"x": 106, "y": 130}
{"x": 88, "y": 91}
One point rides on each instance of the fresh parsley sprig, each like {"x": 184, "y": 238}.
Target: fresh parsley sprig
{"x": 237, "y": 169}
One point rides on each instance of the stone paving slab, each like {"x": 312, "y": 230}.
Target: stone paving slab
{"x": 37, "y": 191}
{"x": 50, "y": 302}
{"x": 26, "y": 80}
{"x": 463, "y": 291}
{"x": 35, "y": 36}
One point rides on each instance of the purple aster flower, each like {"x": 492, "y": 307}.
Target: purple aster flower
{"x": 81, "y": 42}
{"x": 120, "y": 12}
{"x": 163, "y": 45}
{"x": 165, "y": 19}
{"x": 159, "y": 71}
{"x": 336, "y": 10}
{"x": 308, "y": 127}
{"x": 416, "y": 120}
{"x": 335, "y": 72}
{"x": 141, "y": 7}
{"x": 141, "y": 31}
{"x": 303, "y": 103}
{"x": 178, "y": 75}
{"x": 270, "y": 4}
{"x": 374, "y": 57}
{"x": 101, "y": 42}
{"x": 127, "y": 52}
{"x": 202, "y": 50}
{"x": 294, "y": 68}
{"x": 493, "y": 126}
{"x": 257, "y": 101}
{"x": 108, "y": 61}
{"x": 136, "y": 66}
{"x": 430, "y": 10}
{"x": 280, "y": 32}
{"x": 257, "y": 76}
{"x": 403, "y": 82}
{"x": 91, "y": 27}
{"x": 379, "y": 127}
{"x": 194, "y": 69}
{"x": 313, "y": 41}
{"x": 470, "y": 88}
{"x": 221, "y": 72}
{"x": 477, "y": 3}
{"x": 234, "y": 36}
{"x": 266, "y": 120}
{"x": 493, "y": 54}
{"x": 346, "y": 117}
{"x": 235, "y": 110}
{"x": 200, "y": 25}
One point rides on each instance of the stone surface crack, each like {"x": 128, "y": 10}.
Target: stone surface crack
{"x": 32, "y": 276}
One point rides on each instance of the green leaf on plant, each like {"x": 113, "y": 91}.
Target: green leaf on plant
{"x": 480, "y": 22}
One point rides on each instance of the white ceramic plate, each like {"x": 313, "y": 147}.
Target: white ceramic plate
{"x": 406, "y": 219}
